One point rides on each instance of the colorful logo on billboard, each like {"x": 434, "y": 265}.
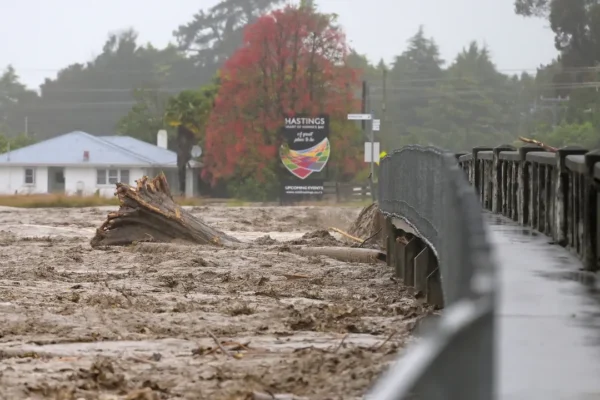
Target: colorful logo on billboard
{"x": 306, "y": 148}
{"x": 304, "y": 162}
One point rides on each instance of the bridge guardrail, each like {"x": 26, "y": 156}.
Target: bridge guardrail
{"x": 555, "y": 193}
{"x": 424, "y": 187}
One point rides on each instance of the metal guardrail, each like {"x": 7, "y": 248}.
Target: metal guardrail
{"x": 424, "y": 187}
{"x": 554, "y": 193}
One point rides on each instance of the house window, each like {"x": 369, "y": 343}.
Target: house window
{"x": 29, "y": 176}
{"x": 113, "y": 176}
{"x": 125, "y": 176}
{"x": 101, "y": 177}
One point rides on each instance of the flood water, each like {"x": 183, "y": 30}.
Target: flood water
{"x": 549, "y": 318}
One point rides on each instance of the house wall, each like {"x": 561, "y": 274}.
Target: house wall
{"x": 85, "y": 178}
{"x": 12, "y": 179}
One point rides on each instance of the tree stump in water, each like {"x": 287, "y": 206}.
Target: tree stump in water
{"x": 148, "y": 213}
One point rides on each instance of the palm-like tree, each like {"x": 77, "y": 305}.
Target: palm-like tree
{"x": 189, "y": 112}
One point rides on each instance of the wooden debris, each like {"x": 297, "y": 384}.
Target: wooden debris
{"x": 538, "y": 143}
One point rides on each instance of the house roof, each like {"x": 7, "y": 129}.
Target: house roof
{"x": 68, "y": 149}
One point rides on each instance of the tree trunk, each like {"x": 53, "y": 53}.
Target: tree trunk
{"x": 185, "y": 142}
{"x": 148, "y": 213}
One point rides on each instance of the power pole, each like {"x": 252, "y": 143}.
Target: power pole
{"x": 363, "y": 106}
{"x": 384, "y": 101}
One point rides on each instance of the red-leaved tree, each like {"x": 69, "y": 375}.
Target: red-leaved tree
{"x": 292, "y": 61}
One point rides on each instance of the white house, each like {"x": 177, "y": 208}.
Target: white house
{"x": 80, "y": 163}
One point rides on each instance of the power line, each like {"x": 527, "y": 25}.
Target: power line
{"x": 392, "y": 95}
{"x": 390, "y": 85}
{"x": 146, "y": 71}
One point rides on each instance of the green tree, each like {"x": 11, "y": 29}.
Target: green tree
{"x": 189, "y": 112}
{"x": 94, "y": 96}
{"x": 576, "y": 25}
{"x": 411, "y": 85}
{"x": 14, "y": 96}
{"x": 15, "y": 142}
{"x": 213, "y": 35}
{"x": 584, "y": 135}
{"x": 146, "y": 116}
{"x": 472, "y": 105}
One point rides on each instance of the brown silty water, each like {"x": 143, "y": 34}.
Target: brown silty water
{"x": 129, "y": 323}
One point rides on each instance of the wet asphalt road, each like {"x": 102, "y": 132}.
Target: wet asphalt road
{"x": 549, "y": 319}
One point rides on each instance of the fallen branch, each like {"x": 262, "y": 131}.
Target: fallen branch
{"x": 379, "y": 347}
{"x": 296, "y": 276}
{"x": 269, "y": 396}
{"x": 341, "y": 232}
{"x": 538, "y": 143}
{"x": 339, "y": 346}
{"x": 223, "y": 349}
{"x": 370, "y": 237}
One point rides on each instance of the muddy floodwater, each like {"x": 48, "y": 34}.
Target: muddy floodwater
{"x": 132, "y": 323}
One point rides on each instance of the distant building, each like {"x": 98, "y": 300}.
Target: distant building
{"x": 80, "y": 163}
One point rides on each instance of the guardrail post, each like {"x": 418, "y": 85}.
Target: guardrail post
{"x": 477, "y": 174}
{"x": 382, "y": 236}
{"x": 434, "y": 295}
{"x": 514, "y": 190}
{"x": 524, "y": 183}
{"x": 497, "y": 177}
{"x": 562, "y": 198}
{"x": 411, "y": 250}
{"x": 399, "y": 259}
{"x": 590, "y": 251}
{"x": 424, "y": 264}
{"x": 390, "y": 240}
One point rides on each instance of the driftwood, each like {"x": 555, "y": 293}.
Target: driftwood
{"x": 537, "y": 142}
{"x": 348, "y": 254}
{"x": 148, "y": 213}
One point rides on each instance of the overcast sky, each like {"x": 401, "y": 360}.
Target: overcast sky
{"x": 39, "y": 37}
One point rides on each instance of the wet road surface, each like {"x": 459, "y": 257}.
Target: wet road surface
{"x": 549, "y": 318}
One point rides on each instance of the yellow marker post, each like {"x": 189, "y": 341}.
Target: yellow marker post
{"x": 381, "y": 155}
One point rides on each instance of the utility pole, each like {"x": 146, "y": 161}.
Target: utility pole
{"x": 26, "y": 126}
{"x": 372, "y": 148}
{"x": 363, "y": 106}
{"x": 384, "y": 101}
{"x": 363, "y": 117}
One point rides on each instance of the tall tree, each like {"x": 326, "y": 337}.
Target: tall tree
{"x": 474, "y": 104}
{"x": 212, "y": 36}
{"x": 411, "y": 85}
{"x": 530, "y": 8}
{"x": 189, "y": 113}
{"x": 293, "y": 61}
{"x": 14, "y": 96}
{"x": 576, "y": 25}
{"x": 94, "y": 96}
{"x": 15, "y": 142}
{"x": 146, "y": 116}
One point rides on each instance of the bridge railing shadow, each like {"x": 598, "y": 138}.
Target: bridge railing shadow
{"x": 425, "y": 189}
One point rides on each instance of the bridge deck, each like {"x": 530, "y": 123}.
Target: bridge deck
{"x": 549, "y": 319}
